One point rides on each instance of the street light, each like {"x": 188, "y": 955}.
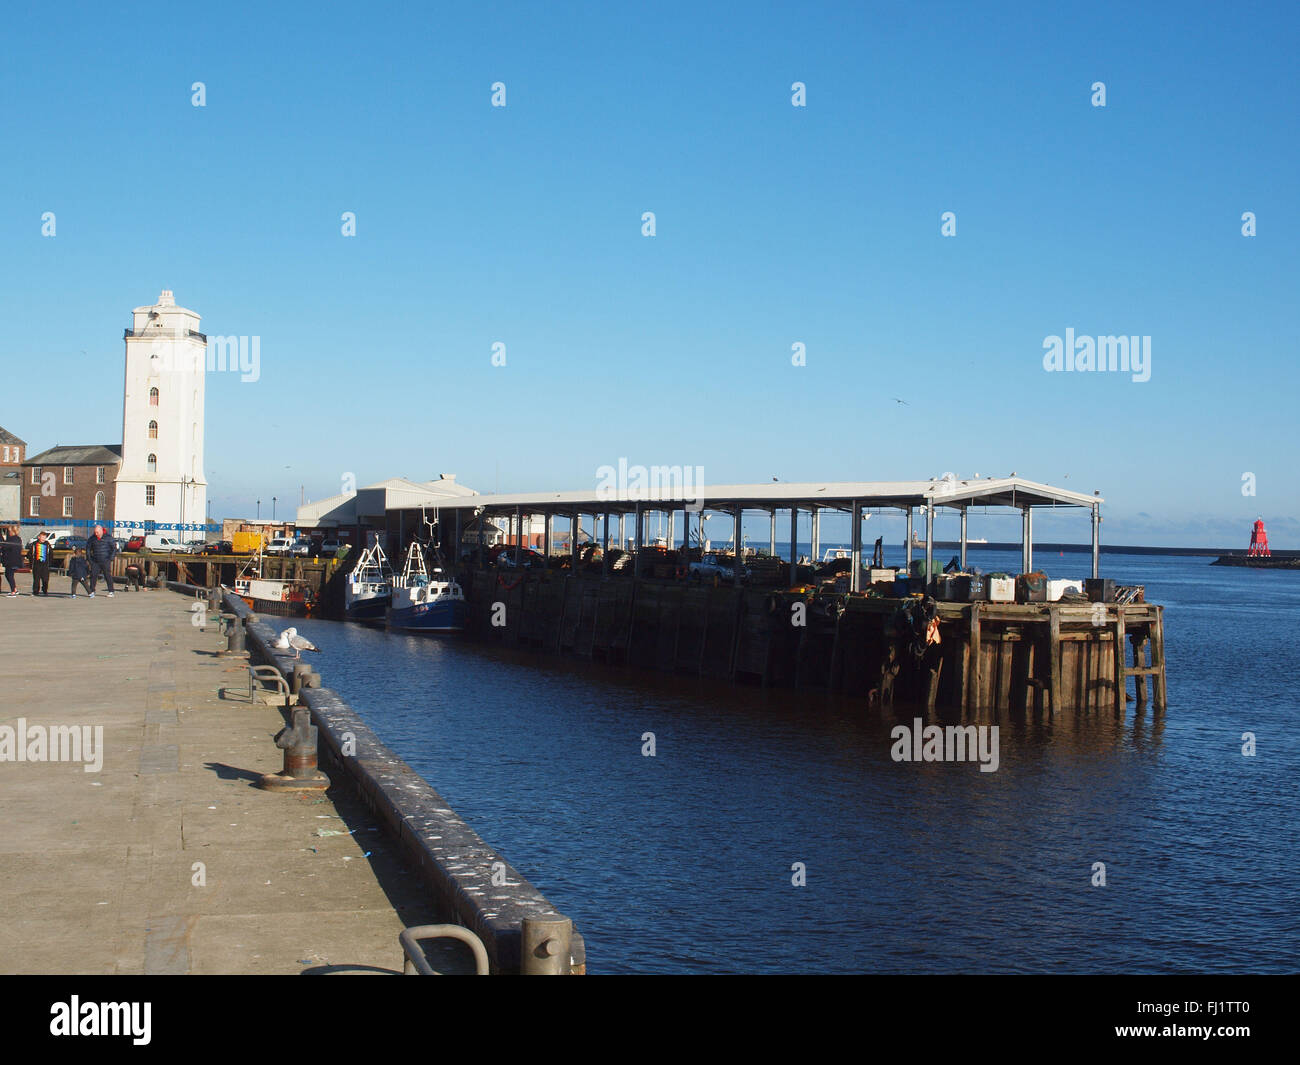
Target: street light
{"x": 259, "y": 510}
{"x": 273, "y": 498}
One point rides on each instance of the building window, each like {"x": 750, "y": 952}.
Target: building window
{"x": 151, "y": 464}
{"x": 99, "y": 474}
{"x": 153, "y": 397}
{"x": 153, "y": 430}
{"x": 67, "y": 474}
{"x": 67, "y": 506}
{"x": 6, "y": 452}
{"x": 34, "y": 507}
{"x": 36, "y": 475}
{"x": 101, "y": 506}
{"x": 148, "y": 495}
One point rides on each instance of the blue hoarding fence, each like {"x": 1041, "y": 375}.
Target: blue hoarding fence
{"x": 147, "y": 526}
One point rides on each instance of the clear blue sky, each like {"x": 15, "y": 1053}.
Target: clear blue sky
{"x": 775, "y": 225}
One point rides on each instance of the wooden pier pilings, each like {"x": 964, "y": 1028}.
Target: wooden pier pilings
{"x": 987, "y": 656}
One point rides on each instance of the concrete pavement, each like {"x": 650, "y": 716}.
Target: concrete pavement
{"x": 167, "y": 859}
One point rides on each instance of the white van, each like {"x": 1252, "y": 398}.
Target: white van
{"x": 281, "y": 545}
{"x": 157, "y": 542}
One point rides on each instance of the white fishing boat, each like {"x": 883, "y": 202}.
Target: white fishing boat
{"x": 424, "y": 601}
{"x": 369, "y": 587}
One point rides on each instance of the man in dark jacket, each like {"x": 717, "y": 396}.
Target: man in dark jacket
{"x": 38, "y": 554}
{"x": 11, "y": 552}
{"x": 100, "y": 549}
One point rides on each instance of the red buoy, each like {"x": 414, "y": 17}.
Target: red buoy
{"x": 1258, "y": 542}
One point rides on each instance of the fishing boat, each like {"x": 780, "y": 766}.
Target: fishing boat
{"x": 369, "y": 587}
{"x": 283, "y": 597}
{"x": 424, "y": 602}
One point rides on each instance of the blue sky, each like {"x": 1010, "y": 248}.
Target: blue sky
{"x": 775, "y": 225}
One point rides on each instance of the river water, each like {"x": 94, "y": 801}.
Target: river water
{"x": 684, "y": 861}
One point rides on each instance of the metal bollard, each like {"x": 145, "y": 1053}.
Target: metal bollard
{"x": 304, "y": 676}
{"x": 235, "y": 647}
{"x": 298, "y": 741}
{"x": 545, "y": 946}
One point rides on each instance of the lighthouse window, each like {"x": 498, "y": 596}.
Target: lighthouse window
{"x": 153, "y": 397}
{"x": 149, "y": 495}
{"x": 153, "y": 430}
{"x": 151, "y": 464}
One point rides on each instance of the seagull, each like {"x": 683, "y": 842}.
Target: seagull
{"x": 902, "y": 401}
{"x": 290, "y": 641}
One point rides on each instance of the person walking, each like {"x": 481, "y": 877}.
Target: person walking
{"x": 100, "y": 549}
{"x": 11, "y": 553}
{"x": 878, "y": 552}
{"x": 78, "y": 570}
{"x": 38, "y": 554}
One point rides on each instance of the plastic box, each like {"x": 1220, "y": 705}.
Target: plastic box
{"x": 1000, "y": 589}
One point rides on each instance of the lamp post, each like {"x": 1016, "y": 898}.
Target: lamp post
{"x": 259, "y": 510}
{"x": 273, "y": 498}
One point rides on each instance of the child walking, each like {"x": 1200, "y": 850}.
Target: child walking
{"x": 79, "y": 571}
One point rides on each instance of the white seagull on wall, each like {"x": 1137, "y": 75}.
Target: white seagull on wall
{"x": 290, "y": 641}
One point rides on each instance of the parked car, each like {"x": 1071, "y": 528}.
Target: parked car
{"x": 135, "y": 543}
{"x": 166, "y": 545}
{"x": 711, "y": 565}
{"x": 301, "y": 549}
{"x": 528, "y": 558}
{"x": 329, "y": 548}
{"x": 69, "y": 543}
{"x": 121, "y": 542}
{"x": 281, "y": 545}
{"x": 218, "y": 547}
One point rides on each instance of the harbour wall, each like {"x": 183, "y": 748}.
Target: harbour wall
{"x": 988, "y": 655}
{"x": 456, "y": 865}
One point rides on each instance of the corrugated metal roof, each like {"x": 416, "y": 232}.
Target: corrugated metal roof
{"x": 991, "y": 492}
{"x": 77, "y": 455}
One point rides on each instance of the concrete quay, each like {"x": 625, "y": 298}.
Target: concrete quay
{"x": 100, "y": 871}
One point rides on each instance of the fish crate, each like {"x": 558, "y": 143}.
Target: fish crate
{"x": 955, "y": 588}
{"x": 1099, "y": 589}
{"x": 1031, "y": 588}
{"x": 1000, "y": 589}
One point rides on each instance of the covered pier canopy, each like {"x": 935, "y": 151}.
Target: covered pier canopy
{"x": 668, "y": 494}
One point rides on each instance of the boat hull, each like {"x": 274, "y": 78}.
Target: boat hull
{"x": 292, "y": 608}
{"x": 372, "y": 608}
{"x": 441, "y": 616}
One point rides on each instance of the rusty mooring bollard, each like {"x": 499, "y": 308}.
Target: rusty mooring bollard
{"x": 234, "y": 637}
{"x": 298, "y": 742}
{"x": 545, "y": 946}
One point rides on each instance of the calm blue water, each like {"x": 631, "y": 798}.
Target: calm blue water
{"x": 682, "y": 862}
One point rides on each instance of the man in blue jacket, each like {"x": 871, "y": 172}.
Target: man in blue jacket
{"x": 100, "y": 549}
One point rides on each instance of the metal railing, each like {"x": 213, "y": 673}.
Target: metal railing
{"x": 133, "y": 334}
{"x": 256, "y": 673}
{"x": 414, "y": 954}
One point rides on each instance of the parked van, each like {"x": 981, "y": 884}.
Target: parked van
{"x": 246, "y": 543}
{"x": 281, "y": 545}
{"x": 165, "y": 544}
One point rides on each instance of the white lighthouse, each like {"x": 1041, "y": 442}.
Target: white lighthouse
{"x": 161, "y": 478}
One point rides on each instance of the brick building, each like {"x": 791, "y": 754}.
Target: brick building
{"x": 71, "y": 485}
{"x": 12, "y": 450}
